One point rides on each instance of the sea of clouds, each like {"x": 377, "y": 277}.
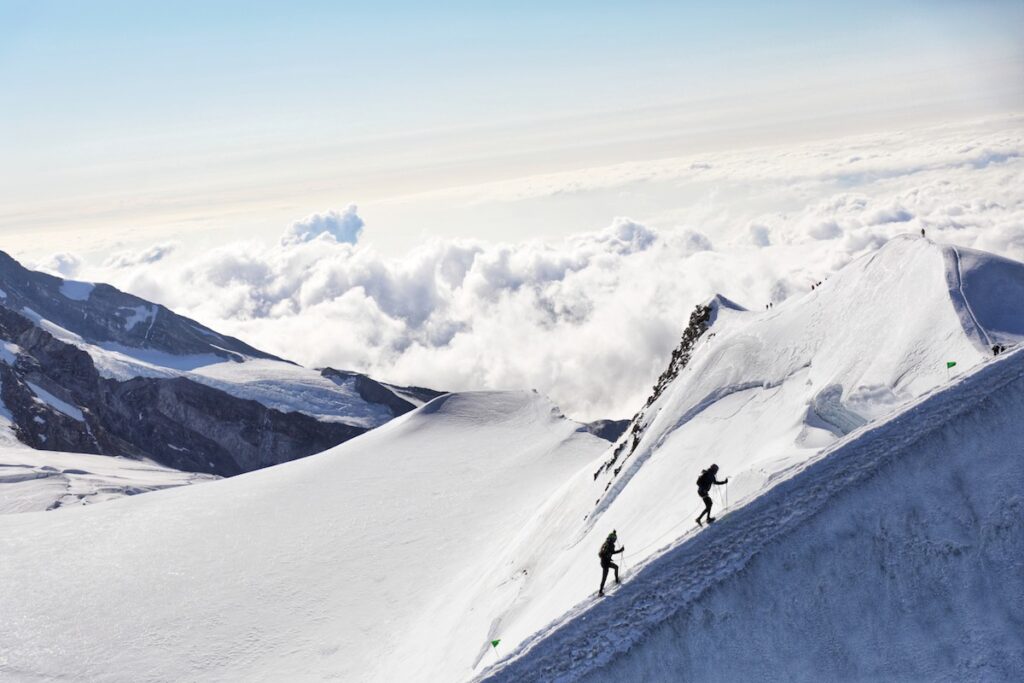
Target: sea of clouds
{"x": 589, "y": 319}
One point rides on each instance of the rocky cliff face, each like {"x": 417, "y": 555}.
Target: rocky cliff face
{"x": 372, "y": 391}
{"x": 702, "y": 317}
{"x": 55, "y": 399}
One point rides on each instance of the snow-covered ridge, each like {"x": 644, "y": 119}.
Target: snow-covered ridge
{"x": 762, "y": 393}
{"x": 890, "y": 526}
{"x": 877, "y": 334}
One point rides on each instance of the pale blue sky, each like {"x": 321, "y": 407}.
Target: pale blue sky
{"x": 136, "y": 120}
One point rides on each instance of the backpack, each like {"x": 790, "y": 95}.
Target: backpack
{"x": 607, "y": 548}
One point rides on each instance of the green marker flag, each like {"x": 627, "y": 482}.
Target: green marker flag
{"x": 950, "y": 363}
{"x": 494, "y": 643}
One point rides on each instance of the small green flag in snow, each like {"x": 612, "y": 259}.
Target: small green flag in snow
{"x": 950, "y": 363}
{"x": 494, "y": 643}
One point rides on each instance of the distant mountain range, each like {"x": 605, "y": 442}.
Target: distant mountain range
{"x": 88, "y": 368}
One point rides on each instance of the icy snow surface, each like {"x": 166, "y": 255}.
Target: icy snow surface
{"x": 276, "y": 384}
{"x": 76, "y": 291}
{"x": 32, "y": 480}
{"x": 139, "y": 315}
{"x": 9, "y": 352}
{"x": 290, "y": 387}
{"x": 56, "y": 403}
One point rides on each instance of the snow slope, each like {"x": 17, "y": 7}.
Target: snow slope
{"x": 894, "y": 555}
{"x": 400, "y": 554}
{"x": 319, "y": 568}
{"x": 762, "y": 394}
{"x": 32, "y": 480}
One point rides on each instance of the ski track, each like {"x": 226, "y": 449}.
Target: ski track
{"x": 595, "y": 633}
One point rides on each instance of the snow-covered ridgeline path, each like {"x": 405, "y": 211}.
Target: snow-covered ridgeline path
{"x": 599, "y": 634}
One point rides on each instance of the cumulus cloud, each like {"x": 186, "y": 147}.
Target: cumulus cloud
{"x": 591, "y": 319}
{"x": 339, "y": 226}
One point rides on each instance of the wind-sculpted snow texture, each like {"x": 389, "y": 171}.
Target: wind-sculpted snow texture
{"x": 32, "y": 480}
{"x": 895, "y": 555}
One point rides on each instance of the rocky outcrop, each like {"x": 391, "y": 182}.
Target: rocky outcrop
{"x": 700, "y": 319}
{"x": 609, "y": 430}
{"x": 389, "y": 395}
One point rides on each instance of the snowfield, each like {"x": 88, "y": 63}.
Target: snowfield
{"x": 314, "y": 569}
{"x": 871, "y": 525}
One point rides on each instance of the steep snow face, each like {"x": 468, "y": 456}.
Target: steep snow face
{"x": 876, "y": 335}
{"x": 762, "y": 393}
{"x": 32, "y": 480}
{"x": 988, "y": 294}
{"x": 896, "y": 555}
{"x": 325, "y": 567}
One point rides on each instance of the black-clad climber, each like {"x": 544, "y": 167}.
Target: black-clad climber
{"x": 704, "y": 483}
{"x": 606, "y": 552}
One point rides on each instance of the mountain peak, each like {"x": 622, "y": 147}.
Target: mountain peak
{"x": 102, "y": 314}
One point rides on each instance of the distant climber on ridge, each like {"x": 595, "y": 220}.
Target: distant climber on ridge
{"x": 704, "y": 483}
{"x": 606, "y": 552}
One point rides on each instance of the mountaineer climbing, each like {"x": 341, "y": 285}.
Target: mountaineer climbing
{"x": 704, "y": 482}
{"x": 606, "y": 552}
